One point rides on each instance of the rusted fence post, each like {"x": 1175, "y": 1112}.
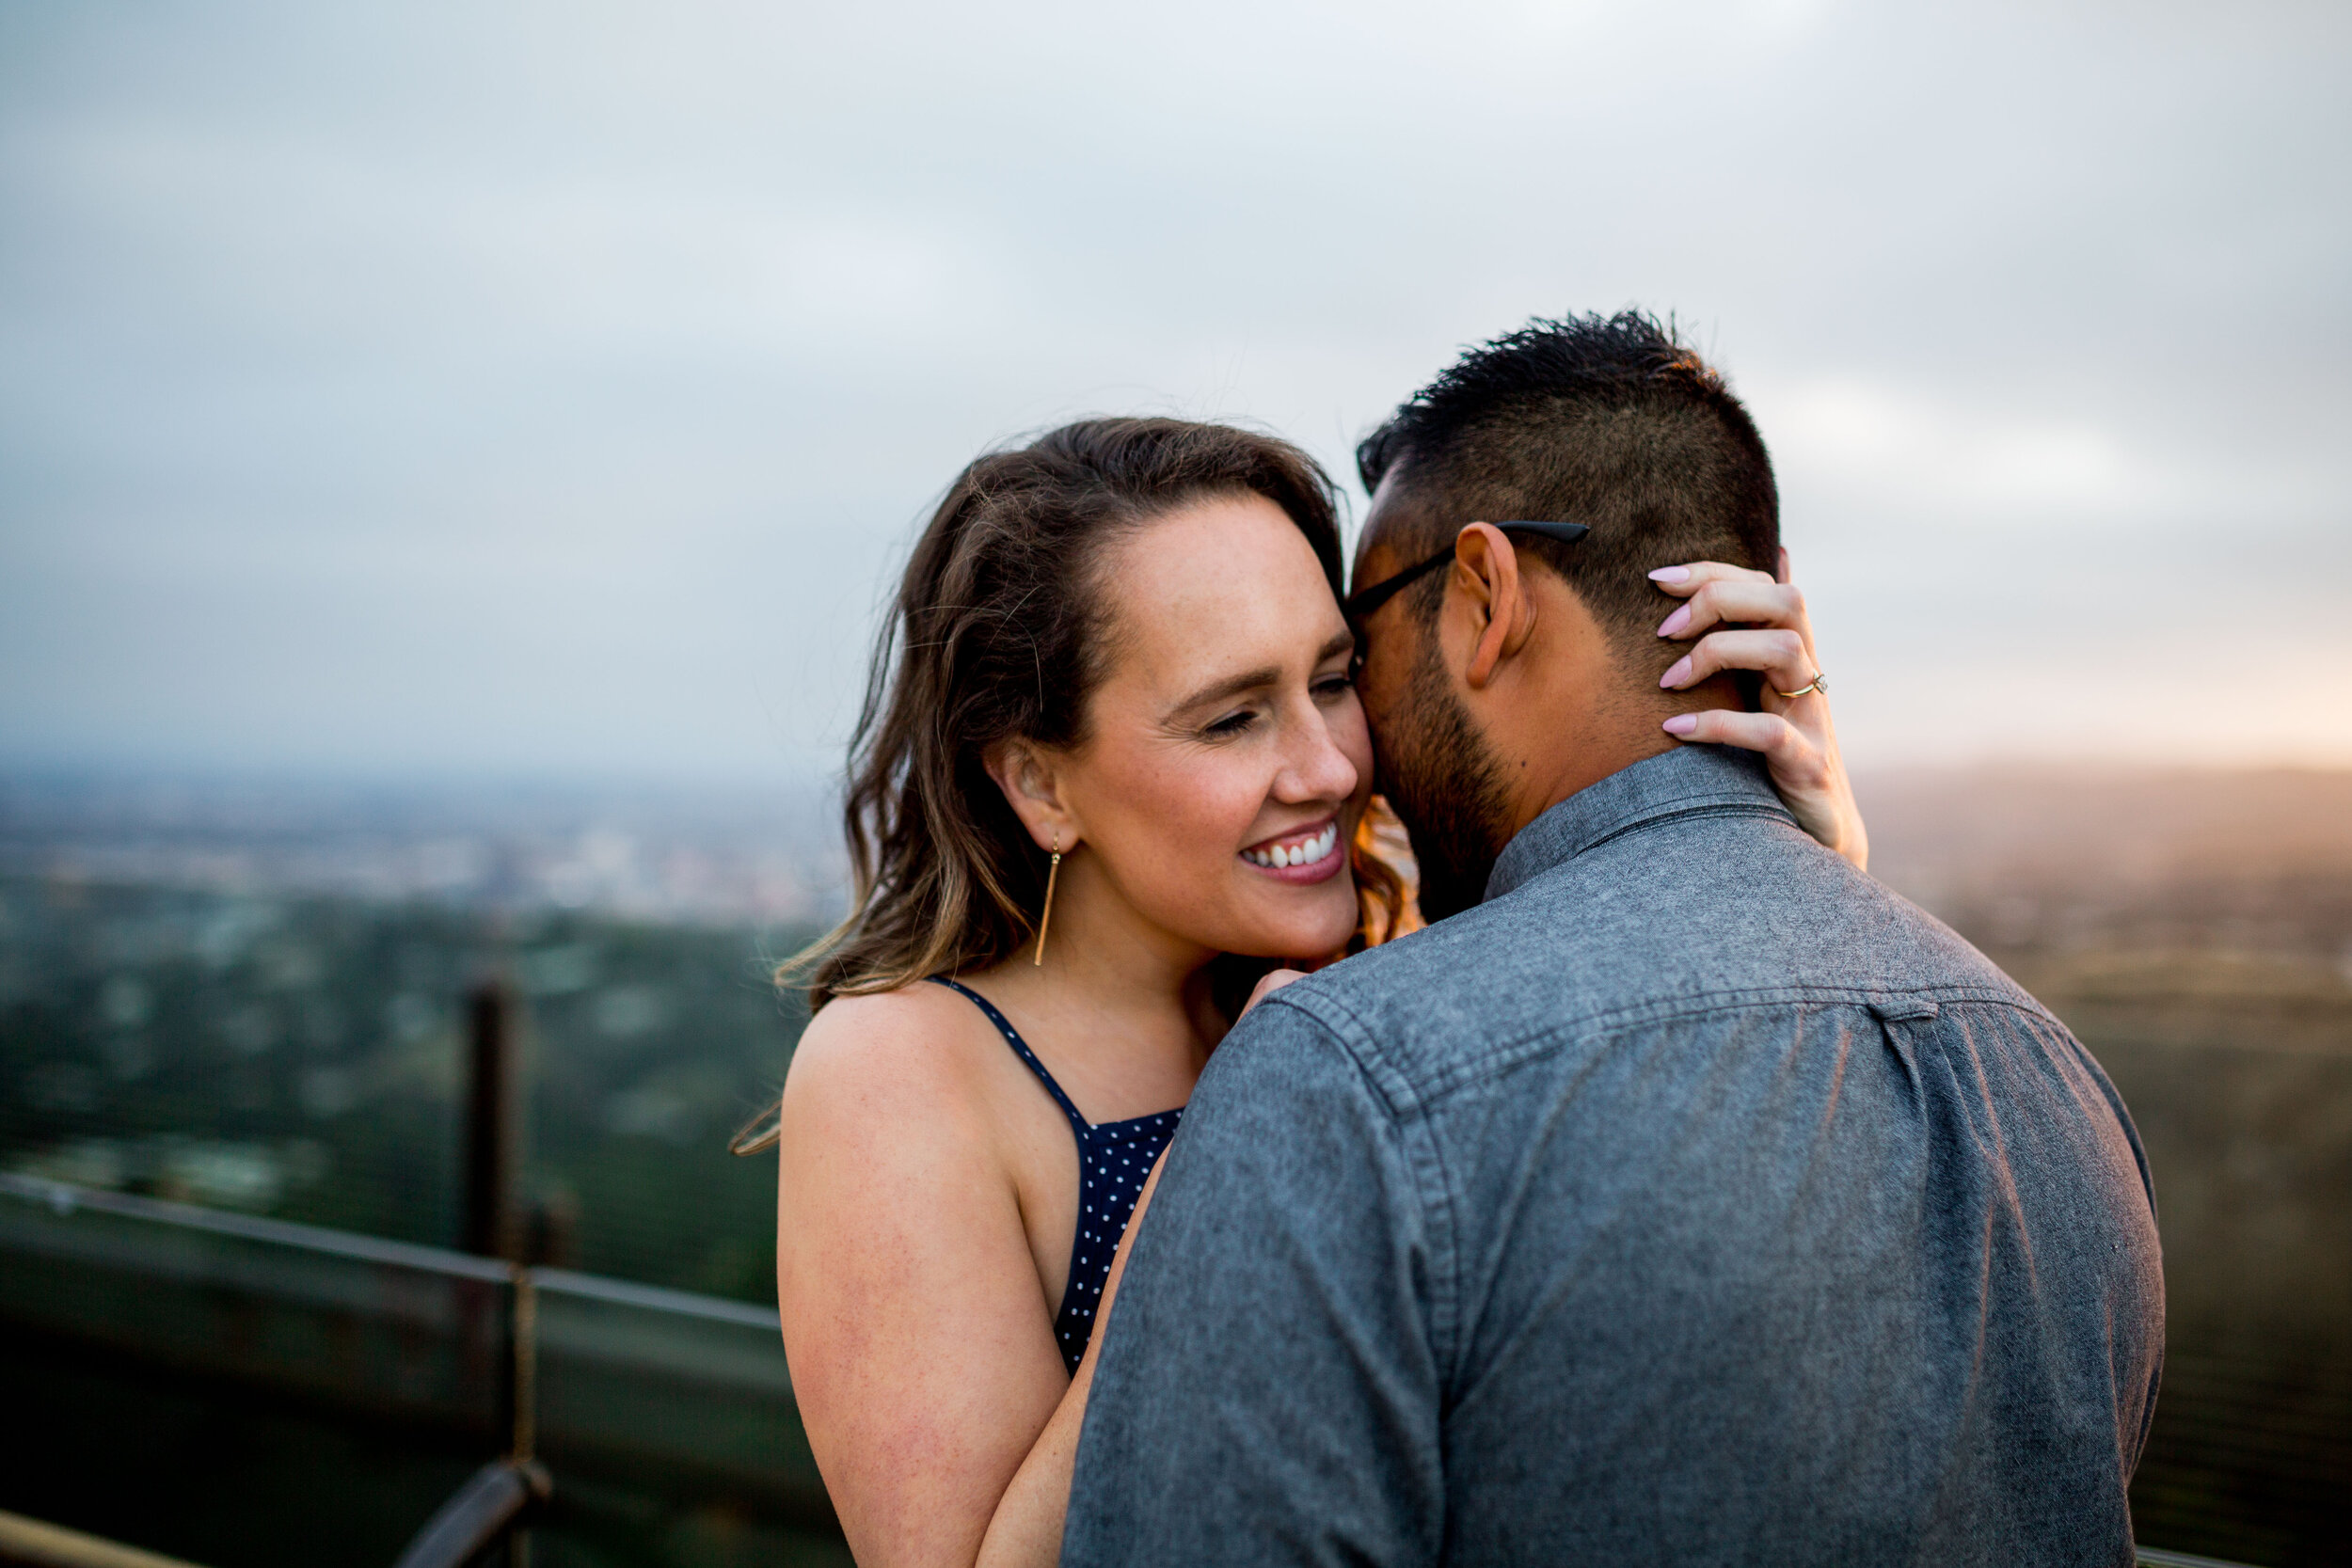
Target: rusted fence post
{"x": 492, "y": 1120}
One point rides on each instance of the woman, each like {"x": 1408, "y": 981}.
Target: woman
{"x": 1113, "y": 773}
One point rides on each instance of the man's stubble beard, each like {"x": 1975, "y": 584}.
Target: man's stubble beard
{"x": 1447, "y": 790}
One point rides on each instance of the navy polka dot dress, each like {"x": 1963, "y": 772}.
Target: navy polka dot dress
{"x": 1113, "y": 1158}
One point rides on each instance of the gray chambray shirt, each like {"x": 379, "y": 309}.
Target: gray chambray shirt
{"x": 1694, "y": 1200}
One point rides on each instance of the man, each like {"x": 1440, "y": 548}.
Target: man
{"x": 1685, "y": 1197}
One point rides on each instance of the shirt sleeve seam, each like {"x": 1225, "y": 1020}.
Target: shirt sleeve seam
{"x": 1423, "y": 1161}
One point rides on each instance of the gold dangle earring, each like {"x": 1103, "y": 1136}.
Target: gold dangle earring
{"x": 1045, "y": 917}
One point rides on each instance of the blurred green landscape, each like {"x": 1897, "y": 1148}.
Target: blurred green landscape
{"x": 245, "y": 1041}
{"x": 300, "y": 1057}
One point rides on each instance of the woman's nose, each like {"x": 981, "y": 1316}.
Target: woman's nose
{"x": 1316, "y": 770}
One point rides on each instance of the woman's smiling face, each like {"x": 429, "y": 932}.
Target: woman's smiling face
{"x": 1226, "y": 759}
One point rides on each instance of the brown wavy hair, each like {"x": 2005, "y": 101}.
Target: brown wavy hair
{"x": 1000, "y": 632}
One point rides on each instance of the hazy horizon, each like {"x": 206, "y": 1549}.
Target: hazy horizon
{"x": 449, "y": 393}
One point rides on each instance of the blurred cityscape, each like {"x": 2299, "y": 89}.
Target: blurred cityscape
{"x": 734, "y": 857}
{"x": 250, "y": 997}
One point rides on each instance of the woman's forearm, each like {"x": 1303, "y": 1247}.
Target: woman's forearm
{"x": 1025, "y": 1531}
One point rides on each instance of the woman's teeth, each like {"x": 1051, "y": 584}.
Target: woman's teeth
{"x": 1298, "y": 854}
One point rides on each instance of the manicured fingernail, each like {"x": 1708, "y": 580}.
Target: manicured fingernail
{"x": 1683, "y": 724}
{"x": 1675, "y": 623}
{"x": 1671, "y": 574}
{"x": 1676, "y": 676}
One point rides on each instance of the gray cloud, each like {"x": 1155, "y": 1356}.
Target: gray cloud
{"x": 440, "y": 389}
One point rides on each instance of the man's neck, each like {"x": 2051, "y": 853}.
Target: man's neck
{"x": 1568, "y": 712}
{"x": 1568, "y": 706}
{"x": 1580, "y": 755}
{"x": 1580, "y": 716}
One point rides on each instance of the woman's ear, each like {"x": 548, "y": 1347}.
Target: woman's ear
{"x": 1032, "y": 786}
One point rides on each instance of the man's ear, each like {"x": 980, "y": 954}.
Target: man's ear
{"x": 1486, "y": 569}
{"x": 1032, "y": 786}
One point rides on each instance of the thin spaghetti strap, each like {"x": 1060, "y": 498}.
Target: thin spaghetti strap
{"x": 1113, "y": 1161}
{"x": 1021, "y": 1049}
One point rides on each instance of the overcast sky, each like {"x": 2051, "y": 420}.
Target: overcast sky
{"x": 467, "y": 390}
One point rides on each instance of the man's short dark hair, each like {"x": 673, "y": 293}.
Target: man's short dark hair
{"x": 1612, "y": 423}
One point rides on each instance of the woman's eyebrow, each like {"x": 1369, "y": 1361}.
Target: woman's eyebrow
{"x": 1250, "y": 680}
{"x": 1234, "y": 685}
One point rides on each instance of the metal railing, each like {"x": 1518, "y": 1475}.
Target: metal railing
{"x": 538, "y": 1364}
{"x": 37, "y": 1544}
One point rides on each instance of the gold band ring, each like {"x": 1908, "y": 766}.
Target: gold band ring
{"x": 1819, "y": 683}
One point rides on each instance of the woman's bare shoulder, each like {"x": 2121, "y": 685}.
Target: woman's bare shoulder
{"x": 908, "y": 1054}
{"x": 891, "y": 1146}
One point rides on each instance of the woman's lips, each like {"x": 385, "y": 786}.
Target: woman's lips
{"x": 1307, "y": 855}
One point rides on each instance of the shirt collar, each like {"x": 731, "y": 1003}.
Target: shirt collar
{"x": 1672, "y": 783}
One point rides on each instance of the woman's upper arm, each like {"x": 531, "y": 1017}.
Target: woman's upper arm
{"x": 921, "y": 1346}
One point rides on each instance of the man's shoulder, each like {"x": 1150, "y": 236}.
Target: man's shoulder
{"x": 1426, "y": 1005}
{"x": 1654, "y": 926}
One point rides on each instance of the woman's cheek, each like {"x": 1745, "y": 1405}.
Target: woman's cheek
{"x": 1353, "y": 736}
{"x": 1200, "y": 820}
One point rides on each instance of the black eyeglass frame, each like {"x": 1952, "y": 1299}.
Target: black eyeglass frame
{"x": 1366, "y": 601}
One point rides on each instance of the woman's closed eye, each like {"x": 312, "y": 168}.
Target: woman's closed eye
{"x": 1329, "y": 689}
{"x": 1239, "y": 722}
